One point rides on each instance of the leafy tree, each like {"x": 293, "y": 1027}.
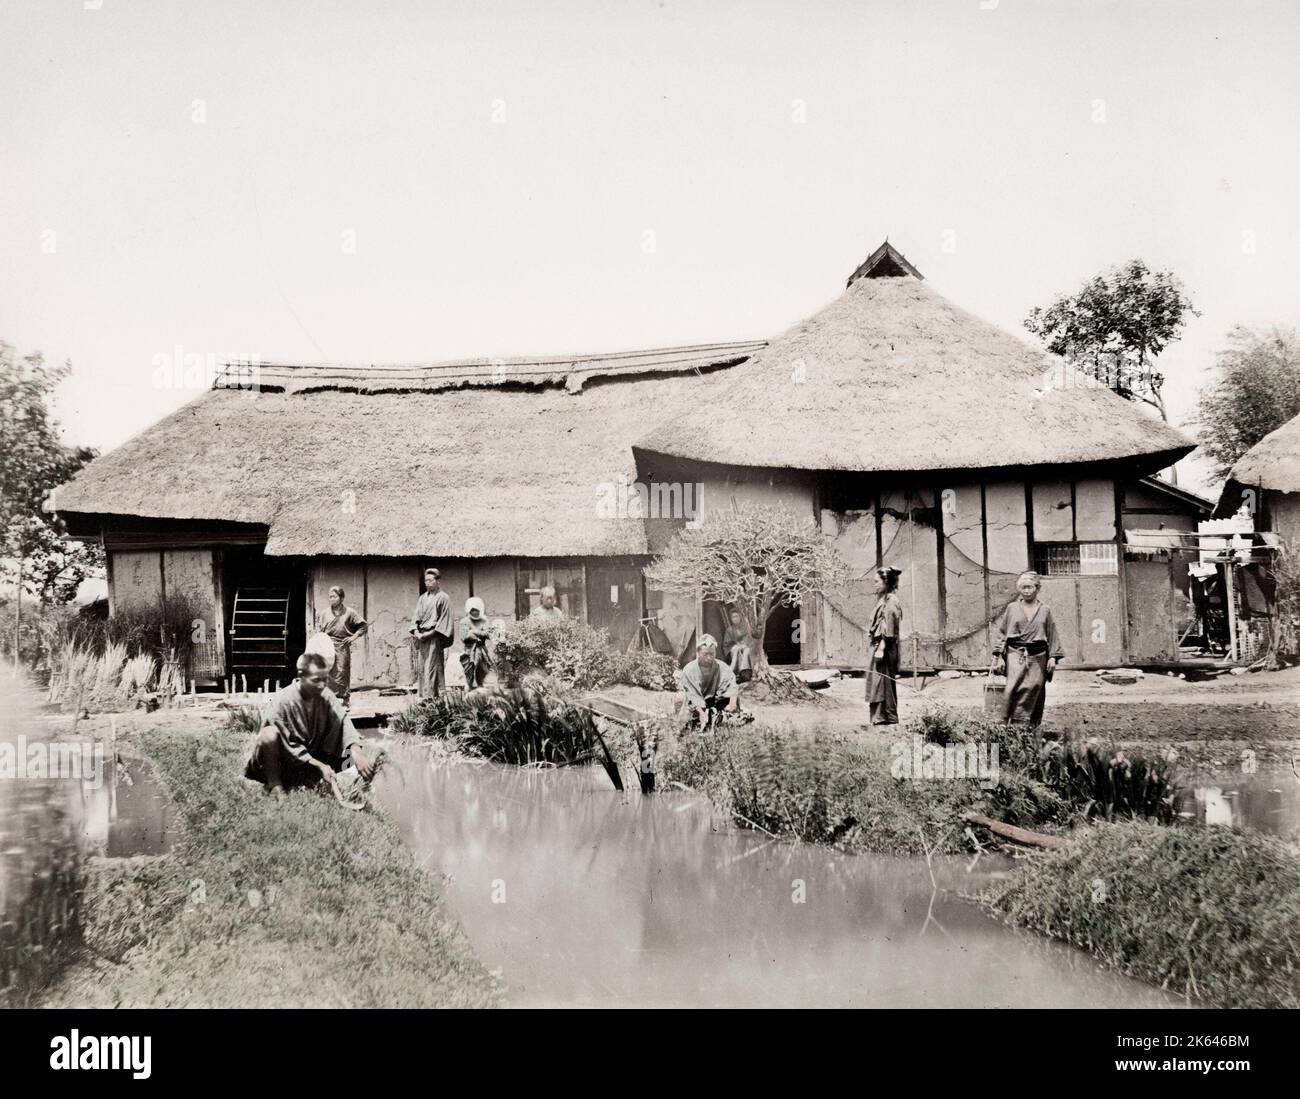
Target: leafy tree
{"x": 1114, "y": 327}
{"x": 1254, "y": 389}
{"x": 33, "y": 549}
{"x": 753, "y": 558}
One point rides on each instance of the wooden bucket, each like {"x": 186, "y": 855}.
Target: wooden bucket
{"x": 995, "y": 692}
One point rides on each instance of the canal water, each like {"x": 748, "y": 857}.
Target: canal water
{"x": 64, "y": 797}
{"x": 582, "y": 896}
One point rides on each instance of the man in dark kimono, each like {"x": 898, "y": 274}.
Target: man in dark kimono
{"x": 306, "y": 735}
{"x": 431, "y": 628}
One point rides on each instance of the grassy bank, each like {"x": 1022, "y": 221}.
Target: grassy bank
{"x": 829, "y": 787}
{"x": 292, "y": 902}
{"x": 1210, "y": 913}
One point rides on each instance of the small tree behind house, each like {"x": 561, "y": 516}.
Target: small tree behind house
{"x": 754, "y": 559}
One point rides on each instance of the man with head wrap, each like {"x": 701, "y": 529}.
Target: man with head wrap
{"x": 708, "y": 684}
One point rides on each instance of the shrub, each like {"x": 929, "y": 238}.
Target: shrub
{"x": 573, "y": 653}
{"x": 1207, "y": 912}
{"x": 646, "y": 668}
{"x": 530, "y": 724}
{"x": 577, "y": 656}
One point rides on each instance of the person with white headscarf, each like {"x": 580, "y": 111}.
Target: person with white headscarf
{"x": 708, "y": 684}
{"x": 474, "y": 636}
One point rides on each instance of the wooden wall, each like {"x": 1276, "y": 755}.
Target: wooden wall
{"x": 960, "y": 547}
{"x": 143, "y": 580}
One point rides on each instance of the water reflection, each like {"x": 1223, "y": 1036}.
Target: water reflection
{"x": 1266, "y": 803}
{"x": 50, "y": 824}
{"x": 583, "y": 896}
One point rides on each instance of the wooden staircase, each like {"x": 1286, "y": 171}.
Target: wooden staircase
{"x": 259, "y": 630}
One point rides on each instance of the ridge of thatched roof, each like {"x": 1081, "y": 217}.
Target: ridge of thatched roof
{"x": 571, "y": 371}
{"x": 891, "y": 377}
{"x": 1273, "y": 462}
{"x": 476, "y": 472}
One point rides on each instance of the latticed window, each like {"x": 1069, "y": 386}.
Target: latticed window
{"x": 1076, "y": 558}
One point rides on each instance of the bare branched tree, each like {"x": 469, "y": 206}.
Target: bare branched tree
{"x": 753, "y": 558}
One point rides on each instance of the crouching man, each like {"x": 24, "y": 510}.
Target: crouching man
{"x": 708, "y": 684}
{"x": 306, "y": 735}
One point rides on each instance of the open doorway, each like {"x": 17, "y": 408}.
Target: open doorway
{"x": 265, "y": 611}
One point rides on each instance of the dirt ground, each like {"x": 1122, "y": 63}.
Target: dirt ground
{"x": 1209, "y": 722}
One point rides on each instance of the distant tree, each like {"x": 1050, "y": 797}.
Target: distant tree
{"x": 753, "y": 558}
{"x": 33, "y": 549}
{"x": 1114, "y": 327}
{"x": 1254, "y": 389}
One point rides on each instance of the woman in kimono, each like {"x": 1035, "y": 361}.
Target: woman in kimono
{"x": 1027, "y": 648}
{"x": 886, "y": 625}
{"x": 344, "y": 626}
{"x": 474, "y": 636}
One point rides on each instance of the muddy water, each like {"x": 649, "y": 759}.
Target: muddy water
{"x": 582, "y": 897}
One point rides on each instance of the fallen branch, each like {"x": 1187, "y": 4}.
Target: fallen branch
{"x": 1018, "y": 835}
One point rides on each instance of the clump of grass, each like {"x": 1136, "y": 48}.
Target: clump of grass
{"x": 137, "y": 675}
{"x": 1100, "y": 782}
{"x": 319, "y": 907}
{"x": 1210, "y": 913}
{"x": 825, "y": 787}
{"x": 43, "y": 931}
{"x": 529, "y": 724}
{"x": 1108, "y": 784}
{"x": 244, "y": 719}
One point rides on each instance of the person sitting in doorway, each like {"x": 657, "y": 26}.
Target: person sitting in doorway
{"x": 708, "y": 685}
{"x": 474, "y": 636}
{"x": 546, "y": 608}
{"x": 738, "y": 649}
{"x": 306, "y": 736}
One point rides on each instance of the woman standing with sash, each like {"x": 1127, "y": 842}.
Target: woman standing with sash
{"x": 1027, "y": 648}
{"x": 886, "y": 625}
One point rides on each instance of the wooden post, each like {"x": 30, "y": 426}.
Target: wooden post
{"x": 911, "y": 571}
{"x": 18, "y": 619}
{"x": 1230, "y": 601}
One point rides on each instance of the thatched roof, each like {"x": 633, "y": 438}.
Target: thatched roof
{"x": 891, "y": 376}
{"x": 503, "y": 457}
{"x": 487, "y": 469}
{"x": 1273, "y": 462}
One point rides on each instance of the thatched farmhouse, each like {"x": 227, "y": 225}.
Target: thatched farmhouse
{"x": 1266, "y": 481}
{"x": 911, "y": 431}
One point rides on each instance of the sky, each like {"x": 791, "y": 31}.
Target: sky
{"x": 404, "y": 182}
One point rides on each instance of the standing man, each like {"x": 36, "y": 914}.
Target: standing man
{"x": 431, "y": 628}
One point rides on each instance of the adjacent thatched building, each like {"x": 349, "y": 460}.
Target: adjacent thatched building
{"x": 913, "y": 432}
{"x": 1266, "y": 479}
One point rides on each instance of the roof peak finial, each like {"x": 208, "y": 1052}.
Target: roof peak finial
{"x": 885, "y": 262}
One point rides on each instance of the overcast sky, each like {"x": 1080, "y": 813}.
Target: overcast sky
{"x": 372, "y": 182}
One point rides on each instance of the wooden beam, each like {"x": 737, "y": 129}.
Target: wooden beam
{"x": 1015, "y": 834}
